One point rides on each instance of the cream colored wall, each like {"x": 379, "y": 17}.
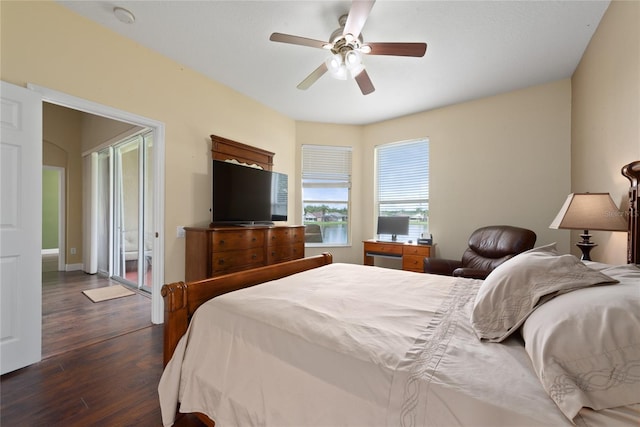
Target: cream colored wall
{"x": 61, "y": 134}
{"x": 48, "y": 45}
{"x": 498, "y": 160}
{"x": 606, "y": 117}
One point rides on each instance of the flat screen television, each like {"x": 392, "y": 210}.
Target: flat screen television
{"x": 393, "y": 225}
{"x": 245, "y": 195}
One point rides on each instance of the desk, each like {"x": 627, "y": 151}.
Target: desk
{"x": 411, "y": 254}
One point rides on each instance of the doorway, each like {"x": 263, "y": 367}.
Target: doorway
{"x": 53, "y": 214}
{"x": 156, "y": 190}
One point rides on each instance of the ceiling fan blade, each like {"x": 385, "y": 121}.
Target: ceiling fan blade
{"x": 363, "y": 80}
{"x": 302, "y": 41}
{"x": 358, "y": 15}
{"x": 398, "y": 49}
{"x": 313, "y": 77}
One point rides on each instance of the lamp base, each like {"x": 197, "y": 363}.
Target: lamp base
{"x": 586, "y": 245}
{"x": 586, "y": 249}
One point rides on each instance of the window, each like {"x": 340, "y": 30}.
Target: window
{"x": 402, "y": 184}
{"x": 326, "y": 194}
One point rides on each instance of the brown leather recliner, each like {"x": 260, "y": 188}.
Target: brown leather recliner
{"x": 488, "y": 248}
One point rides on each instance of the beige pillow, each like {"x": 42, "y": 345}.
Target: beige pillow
{"x": 515, "y": 288}
{"x": 585, "y": 345}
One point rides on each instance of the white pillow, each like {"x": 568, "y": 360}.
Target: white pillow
{"x": 585, "y": 345}
{"x": 515, "y": 288}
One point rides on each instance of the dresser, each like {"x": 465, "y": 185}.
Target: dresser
{"x": 412, "y": 254}
{"x": 213, "y": 251}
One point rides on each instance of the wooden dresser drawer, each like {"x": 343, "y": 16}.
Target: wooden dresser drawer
{"x": 413, "y": 257}
{"x": 423, "y": 251}
{"x": 223, "y": 262}
{"x": 413, "y": 263}
{"x": 219, "y": 250}
{"x": 285, "y": 236}
{"x": 385, "y": 248}
{"x": 285, "y": 253}
{"x": 228, "y": 240}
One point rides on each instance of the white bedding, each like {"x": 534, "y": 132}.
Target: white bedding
{"x": 361, "y": 346}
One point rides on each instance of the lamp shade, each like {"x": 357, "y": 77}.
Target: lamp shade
{"x": 590, "y": 211}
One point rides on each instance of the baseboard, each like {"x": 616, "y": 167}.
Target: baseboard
{"x": 74, "y": 267}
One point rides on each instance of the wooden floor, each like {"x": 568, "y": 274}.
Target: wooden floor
{"x": 71, "y": 320}
{"x": 101, "y": 361}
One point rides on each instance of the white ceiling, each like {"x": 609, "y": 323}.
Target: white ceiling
{"x": 475, "y": 49}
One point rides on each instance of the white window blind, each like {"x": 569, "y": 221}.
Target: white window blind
{"x": 402, "y": 177}
{"x": 327, "y": 163}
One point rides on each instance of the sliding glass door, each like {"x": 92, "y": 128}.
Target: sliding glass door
{"x": 125, "y": 232}
{"x": 104, "y": 213}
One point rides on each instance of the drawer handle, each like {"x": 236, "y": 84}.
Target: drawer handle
{"x": 253, "y": 240}
{"x": 222, "y": 242}
{"x": 254, "y": 256}
{"x": 220, "y": 262}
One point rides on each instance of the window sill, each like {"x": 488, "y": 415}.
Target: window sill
{"x": 327, "y": 245}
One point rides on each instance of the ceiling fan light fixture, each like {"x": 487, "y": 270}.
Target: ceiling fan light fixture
{"x": 336, "y": 67}
{"x": 334, "y": 62}
{"x": 353, "y": 62}
{"x": 352, "y": 59}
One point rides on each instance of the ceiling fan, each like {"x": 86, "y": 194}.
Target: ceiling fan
{"x": 347, "y": 47}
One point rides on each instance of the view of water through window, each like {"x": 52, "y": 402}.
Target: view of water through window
{"x": 336, "y": 232}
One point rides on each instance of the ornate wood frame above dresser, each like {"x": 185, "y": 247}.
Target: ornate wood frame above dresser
{"x": 226, "y": 149}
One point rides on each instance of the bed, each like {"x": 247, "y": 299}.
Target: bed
{"x": 544, "y": 340}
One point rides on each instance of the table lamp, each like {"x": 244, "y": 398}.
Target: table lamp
{"x": 589, "y": 211}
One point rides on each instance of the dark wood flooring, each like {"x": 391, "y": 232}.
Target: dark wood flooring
{"x": 101, "y": 362}
{"x": 71, "y": 320}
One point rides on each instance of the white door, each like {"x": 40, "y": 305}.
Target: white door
{"x": 20, "y": 227}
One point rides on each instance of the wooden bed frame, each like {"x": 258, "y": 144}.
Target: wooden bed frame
{"x": 632, "y": 172}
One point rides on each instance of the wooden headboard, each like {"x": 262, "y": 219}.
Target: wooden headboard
{"x": 226, "y": 149}
{"x": 632, "y": 172}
